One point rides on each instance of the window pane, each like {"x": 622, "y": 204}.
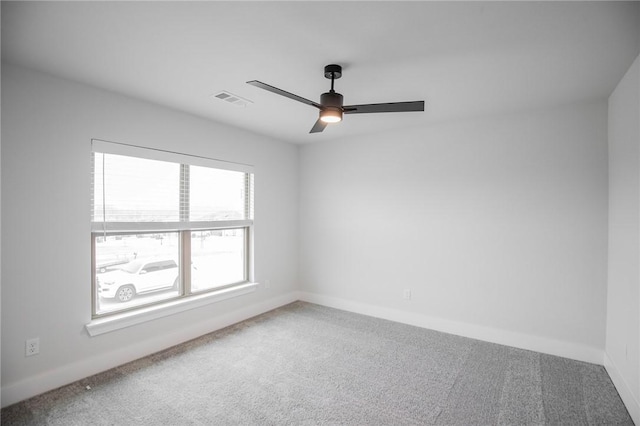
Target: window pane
{"x": 130, "y": 189}
{"x": 135, "y": 269}
{"x": 216, "y": 194}
{"x": 218, "y": 258}
{"x": 144, "y": 210}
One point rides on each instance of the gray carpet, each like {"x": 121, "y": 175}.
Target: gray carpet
{"x": 305, "y": 364}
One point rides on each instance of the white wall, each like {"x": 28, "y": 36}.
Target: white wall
{"x": 623, "y": 297}
{"x": 47, "y": 127}
{"x": 497, "y": 226}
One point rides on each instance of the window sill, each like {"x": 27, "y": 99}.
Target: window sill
{"x": 127, "y": 319}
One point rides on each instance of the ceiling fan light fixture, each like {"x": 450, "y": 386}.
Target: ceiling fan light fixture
{"x": 331, "y": 115}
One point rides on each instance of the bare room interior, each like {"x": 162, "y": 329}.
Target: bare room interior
{"x": 320, "y": 212}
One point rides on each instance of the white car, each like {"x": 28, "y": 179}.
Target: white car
{"x": 138, "y": 276}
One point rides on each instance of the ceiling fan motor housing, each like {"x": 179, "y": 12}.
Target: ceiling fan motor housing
{"x": 331, "y": 111}
{"x": 331, "y": 99}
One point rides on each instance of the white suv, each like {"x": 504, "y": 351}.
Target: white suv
{"x": 138, "y": 276}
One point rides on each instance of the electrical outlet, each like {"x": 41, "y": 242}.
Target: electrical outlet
{"x": 32, "y": 347}
{"x": 407, "y": 294}
{"x": 267, "y": 284}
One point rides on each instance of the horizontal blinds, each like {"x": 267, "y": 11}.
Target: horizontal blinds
{"x": 172, "y": 157}
{"x": 249, "y": 198}
{"x": 130, "y": 189}
{"x": 116, "y": 227}
{"x": 138, "y": 189}
{"x": 216, "y": 194}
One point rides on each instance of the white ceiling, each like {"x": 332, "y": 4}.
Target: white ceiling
{"x": 465, "y": 59}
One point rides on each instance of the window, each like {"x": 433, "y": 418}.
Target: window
{"x": 166, "y": 226}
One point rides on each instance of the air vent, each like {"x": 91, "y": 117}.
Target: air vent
{"x": 232, "y": 99}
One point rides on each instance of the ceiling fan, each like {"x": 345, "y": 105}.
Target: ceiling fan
{"x": 330, "y": 106}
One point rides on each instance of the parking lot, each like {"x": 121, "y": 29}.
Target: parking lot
{"x": 217, "y": 260}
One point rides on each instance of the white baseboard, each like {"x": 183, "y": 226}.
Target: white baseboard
{"x": 623, "y": 389}
{"x": 15, "y": 392}
{"x": 508, "y": 338}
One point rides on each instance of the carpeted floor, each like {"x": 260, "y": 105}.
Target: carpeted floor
{"x": 305, "y": 364}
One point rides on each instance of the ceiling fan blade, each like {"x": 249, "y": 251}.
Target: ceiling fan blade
{"x": 388, "y": 107}
{"x": 283, "y": 93}
{"x": 318, "y": 127}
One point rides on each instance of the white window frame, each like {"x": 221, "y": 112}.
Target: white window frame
{"x": 105, "y": 322}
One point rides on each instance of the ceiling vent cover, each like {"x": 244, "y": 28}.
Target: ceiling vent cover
{"x": 236, "y": 100}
